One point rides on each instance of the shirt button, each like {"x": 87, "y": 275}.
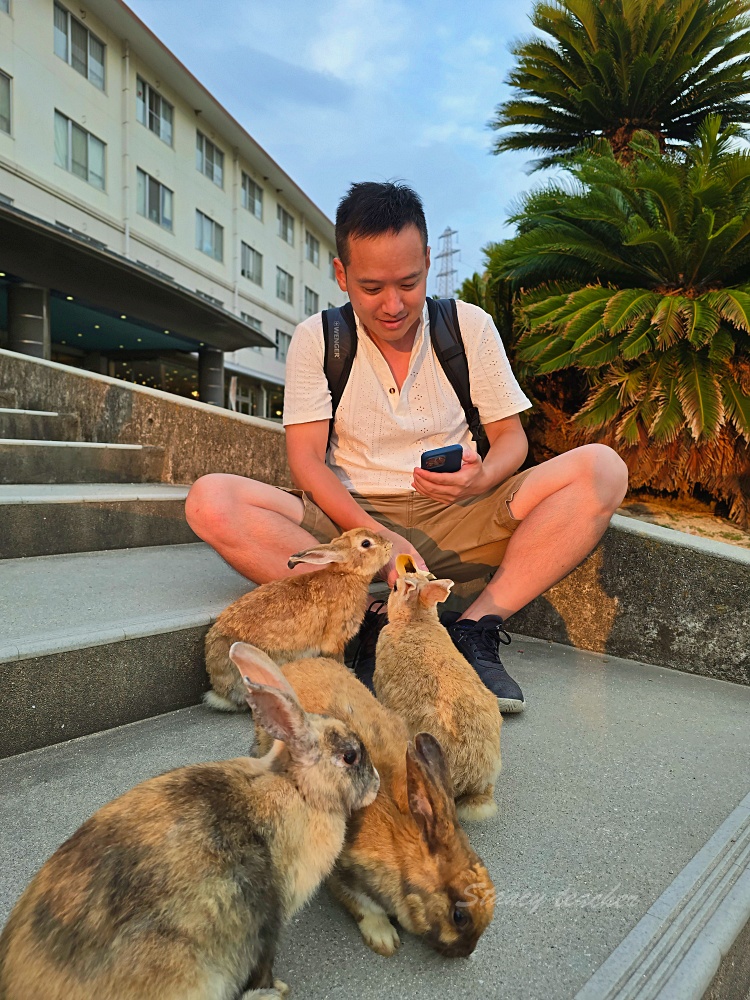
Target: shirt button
{"x": 391, "y": 390}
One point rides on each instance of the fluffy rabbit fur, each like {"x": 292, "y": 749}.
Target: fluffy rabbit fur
{"x": 405, "y": 855}
{"x": 178, "y": 889}
{"x": 421, "y": 675}
{"x": 306, "y": 615}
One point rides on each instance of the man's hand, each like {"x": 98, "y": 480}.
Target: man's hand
{"x": 400, "y": 545}
{"x": 447, "y": 487}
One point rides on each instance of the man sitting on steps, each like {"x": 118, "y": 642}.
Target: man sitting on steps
{"x": 532, "y": 527}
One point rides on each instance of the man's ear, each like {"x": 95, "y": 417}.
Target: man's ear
{"x": 427, "y": 259}
{"x": 340, "y": 271}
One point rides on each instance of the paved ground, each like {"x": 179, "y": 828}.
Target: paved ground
{"x": 614, "y": 777}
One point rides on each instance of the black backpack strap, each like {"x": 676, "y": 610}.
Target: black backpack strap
{"x": 448, "y": 345}
{"x": 340, "y": 349}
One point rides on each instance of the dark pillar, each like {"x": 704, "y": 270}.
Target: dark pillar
{"x": 28, "y": 320}
{"x": 211, "y": 375}
{"x": 97, "y": 362}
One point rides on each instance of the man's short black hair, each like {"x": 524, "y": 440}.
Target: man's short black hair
{"x": 370, "y": 209}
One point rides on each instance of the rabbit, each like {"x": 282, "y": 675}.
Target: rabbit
{"x": 306, "y": 615}
{"x": 179, "y": 888}
{"x": 421, "y": 675}
{"x": 405, "y": 854}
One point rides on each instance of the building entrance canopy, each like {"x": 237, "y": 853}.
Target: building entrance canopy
{"x": 51, "y": 257}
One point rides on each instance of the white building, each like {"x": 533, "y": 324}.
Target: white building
{"x": 143, "y": 232}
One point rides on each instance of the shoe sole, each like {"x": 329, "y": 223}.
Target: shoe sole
{"x": 510, "y": 706}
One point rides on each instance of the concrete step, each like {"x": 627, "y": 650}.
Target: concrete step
{"x": 8, "y": 397}
{"x": 38, "y": 462}
{"x": 97, "y": 639}
{"x": 85, "y": 517}
{"x": 616, "y": 851}
{"x": 42, "y": 425}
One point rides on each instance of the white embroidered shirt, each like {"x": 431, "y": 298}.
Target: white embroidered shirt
{"x": 380, "y": 433}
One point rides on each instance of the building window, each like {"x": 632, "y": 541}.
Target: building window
{"x": 250, "y": 400}
{"x": 252, "y": 264}
{"x": 331, "y": 268}
{"x": 331, "y": 305}
{"x": 311, "y": 301}
{"x": 284, "y": 286}
{"x": 283, "y": 340}
{"x": 154, "y": 200}
{"x": 286, "y": 225}
{"x": 252, "y": 196}
{"x": 209, "y": 236}
{"x": 209, "y": 159}
{"x": 78, "y": 47}
{"x": 256, "y": 324}
{"x": 5, "y": 6}
{"x": 153, "y": 111}
{"x": 4, "y": 103}
{"x": 79, "y": 151}
{"x": 312, "y": 249}
{"x": 275, "y": 404}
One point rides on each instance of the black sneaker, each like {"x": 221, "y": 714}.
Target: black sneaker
{"x": 479, "y": 642}
{"x": 360, "y": 653}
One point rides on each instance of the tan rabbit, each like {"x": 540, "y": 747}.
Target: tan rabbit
{"x": 406, "y": 855}
{"x": 421, "y": 675}
{"x": 178, "y": 889}
{"x": 306, "y": 615}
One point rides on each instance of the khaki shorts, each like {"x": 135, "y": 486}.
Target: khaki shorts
{"x": 462, "y": 541}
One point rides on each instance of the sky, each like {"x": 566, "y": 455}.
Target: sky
{"x": 353, "y": 90}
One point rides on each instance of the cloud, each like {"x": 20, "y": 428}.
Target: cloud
{"x": 364, "y": 43}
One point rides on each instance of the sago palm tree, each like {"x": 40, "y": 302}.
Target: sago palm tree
{"x": 610, "y": 68}
{"x": 640, "y": 276}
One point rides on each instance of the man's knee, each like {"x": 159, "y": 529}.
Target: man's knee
{"x": 603, "y": 468}
{"x": 208, "y": 504}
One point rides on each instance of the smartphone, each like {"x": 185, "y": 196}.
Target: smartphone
{"x": 447, "y": 459}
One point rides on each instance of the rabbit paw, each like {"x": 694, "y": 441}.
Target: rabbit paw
{"x": 379, "y": 934}
{"x": 279, "y": 991}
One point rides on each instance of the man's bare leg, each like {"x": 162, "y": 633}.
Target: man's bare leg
{"x": 255, "y": 527}
{"x": 565, "y": 505}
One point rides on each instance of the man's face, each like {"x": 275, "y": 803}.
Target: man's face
{"x": 386, "y": 281}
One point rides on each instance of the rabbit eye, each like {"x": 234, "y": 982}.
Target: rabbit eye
{"x": 460, "y": 916}
{"x": 351, "y": 757}
{"x": 366, "y": 543}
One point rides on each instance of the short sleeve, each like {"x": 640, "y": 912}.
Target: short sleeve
{"x": 306, "y": 395}
{"x": 494, "y": 388}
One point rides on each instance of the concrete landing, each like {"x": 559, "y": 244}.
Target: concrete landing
{"x": 615, "y": 777}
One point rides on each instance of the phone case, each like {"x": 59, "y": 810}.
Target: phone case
{"x": 447, "y": 459}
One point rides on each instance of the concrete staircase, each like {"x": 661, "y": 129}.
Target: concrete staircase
{"x": 621, "y": 851}
{"x": 106, "y": 591}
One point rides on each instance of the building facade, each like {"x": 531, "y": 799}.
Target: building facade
{"x": 143, "y": 232}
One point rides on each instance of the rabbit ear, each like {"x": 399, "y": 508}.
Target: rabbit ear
{"x": 282, "y": 717}
{"x": 405, "y": 564}
{"x": 256, "y": 665}
{"x": 430, "y": 790}
{"x": 318, "y": 556}
{"x": 404, "y": 585}
{"x": 435, "y": 592}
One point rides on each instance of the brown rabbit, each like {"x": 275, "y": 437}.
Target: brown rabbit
{"x": 179, "y": 888}
{"x": 406, "y": 855}
{"x": 306, "y": 615}
{"x": 421, "y": 675}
